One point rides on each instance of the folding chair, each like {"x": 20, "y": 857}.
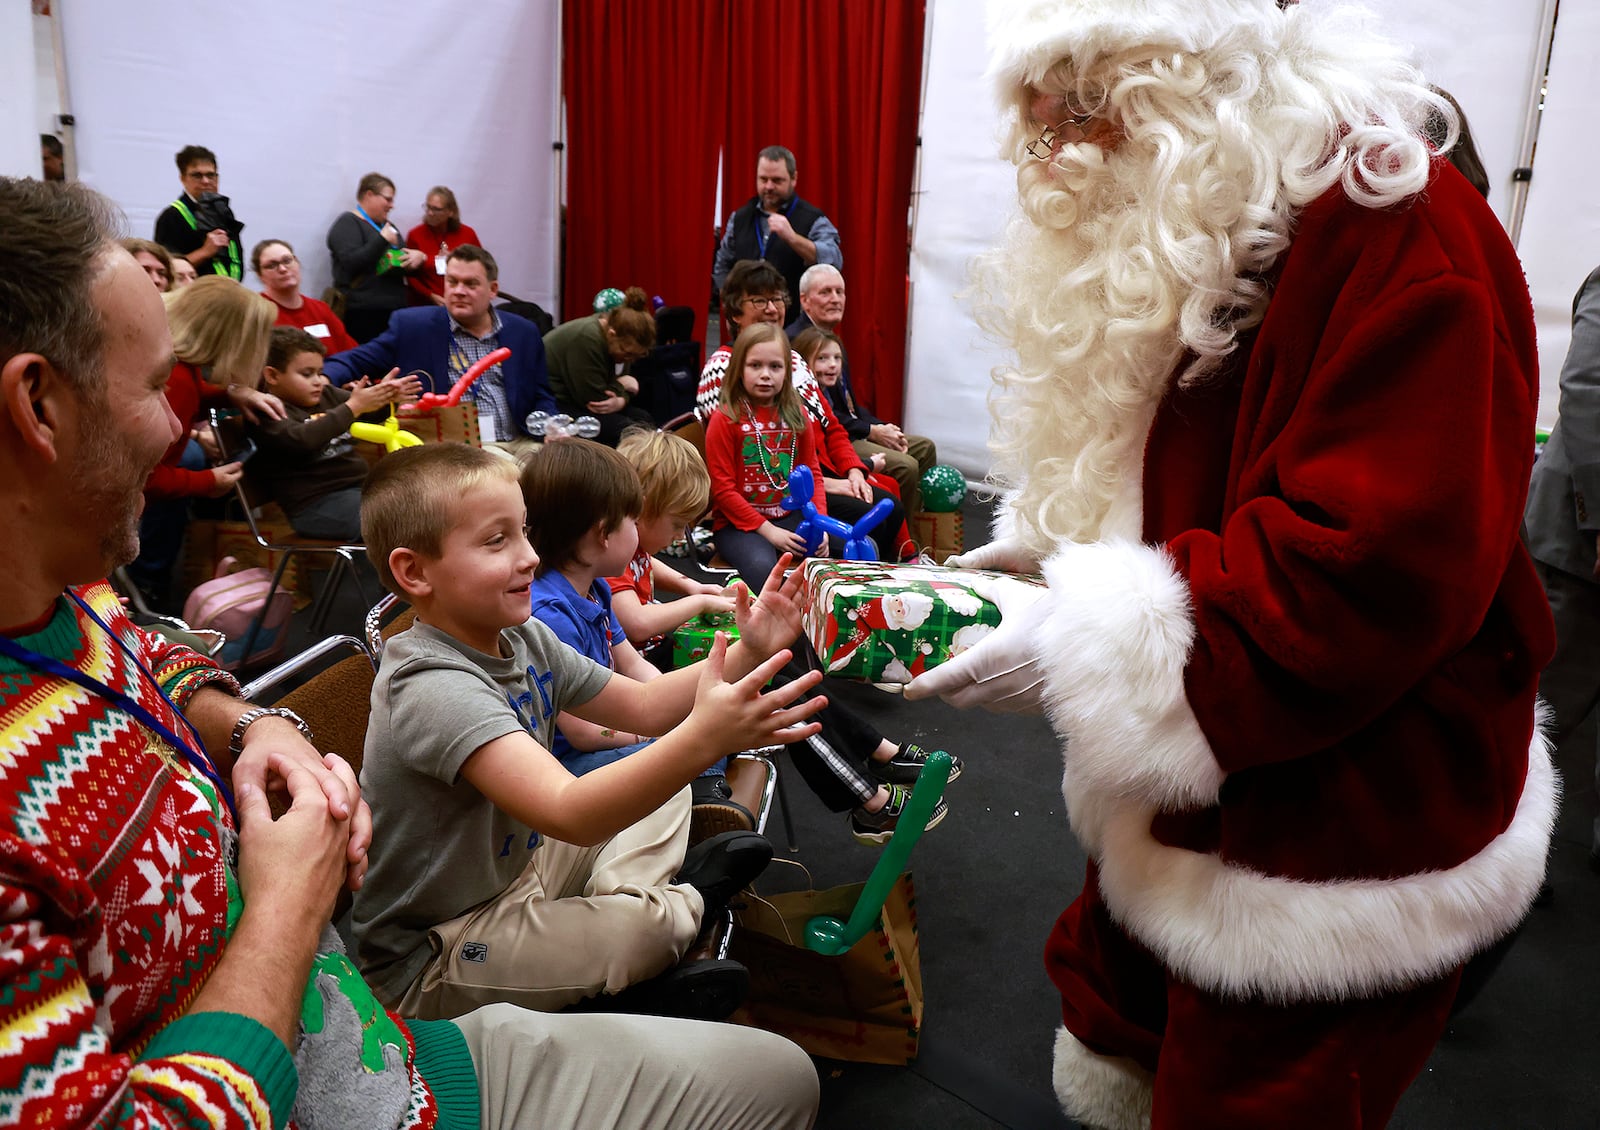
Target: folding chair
{"x": 342, "y": 556}
{"x": 389, "y": 616}
{"x": 334, "y": 697}
{"x": 688, "y": 426}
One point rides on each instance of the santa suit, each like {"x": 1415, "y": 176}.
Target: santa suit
{"x": 1297, "y": 691}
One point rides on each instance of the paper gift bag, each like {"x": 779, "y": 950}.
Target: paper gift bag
{"x": 454, "y": 423}
{"x": 208, "y": 541}
{"x": 863, "y": 1005}
{"x": 938, "y": 532}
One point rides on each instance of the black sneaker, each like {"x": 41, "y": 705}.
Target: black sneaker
{"x": 715, "y": 811}
{"x": 724, "y": 865}
{"x": 903, "y": 767}
{"x": 871, "y": 828}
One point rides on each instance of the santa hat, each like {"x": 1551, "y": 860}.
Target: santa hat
{"x": 1028, "y": 37}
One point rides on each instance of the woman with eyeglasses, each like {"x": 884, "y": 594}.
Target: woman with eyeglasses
{"x": 278, "y": 268}
{"x": 371, "y": 260}
{"x": 440, "y": 232}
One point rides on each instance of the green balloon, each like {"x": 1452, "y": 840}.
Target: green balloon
{"x": 943, "y": 488}
{"x": 608, "y": 299}
{"x": 826, "y": 934}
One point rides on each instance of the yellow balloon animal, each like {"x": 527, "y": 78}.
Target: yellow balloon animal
{"x": 388, "y": 433}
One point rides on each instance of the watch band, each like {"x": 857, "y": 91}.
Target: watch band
{"x": 255, "y": 714}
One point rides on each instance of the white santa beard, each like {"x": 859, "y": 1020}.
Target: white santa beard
{"x": 1121, "y": 264}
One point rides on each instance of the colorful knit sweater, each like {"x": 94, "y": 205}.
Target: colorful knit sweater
{"x": 115, "y": 884}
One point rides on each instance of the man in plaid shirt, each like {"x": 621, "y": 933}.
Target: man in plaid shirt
{"x": 441, "y": 343}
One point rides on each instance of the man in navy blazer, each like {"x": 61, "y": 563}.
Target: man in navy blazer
{"x": 443, "y": 342}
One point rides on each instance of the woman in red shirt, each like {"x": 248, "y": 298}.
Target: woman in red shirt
{"x": 278, "y": 268}
{"x": 440, "y": 232}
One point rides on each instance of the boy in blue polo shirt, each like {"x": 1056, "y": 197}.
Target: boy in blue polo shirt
{"x": 583, "y": 504}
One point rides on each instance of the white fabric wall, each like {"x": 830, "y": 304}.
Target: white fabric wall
{"x": 19, "y": 139}
{"x": 299, "y": 99}
{"x": 1482, "y": 51}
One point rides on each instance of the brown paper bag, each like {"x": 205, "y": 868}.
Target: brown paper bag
{"x": 938, "y": 532}
{"x": 456, "y": 423}
{"x": 864, "y": 1005}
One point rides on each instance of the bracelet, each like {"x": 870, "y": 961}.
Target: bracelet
{"x": 254, "y": 715}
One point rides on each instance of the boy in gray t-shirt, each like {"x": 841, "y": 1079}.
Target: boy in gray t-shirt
{"x": 494, "y": 874}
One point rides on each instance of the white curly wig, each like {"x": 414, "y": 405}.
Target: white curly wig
{"x": 1145, "y": 260}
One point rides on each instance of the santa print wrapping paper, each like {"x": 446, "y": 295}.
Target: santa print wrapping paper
{"x": 889, "y": 623}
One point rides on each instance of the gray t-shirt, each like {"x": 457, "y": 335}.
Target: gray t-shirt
{"x": 439, "y": 846}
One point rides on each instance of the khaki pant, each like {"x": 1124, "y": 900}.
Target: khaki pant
{"x": 905, "y": 467}
{"x": 635, "y": 1073}
{"x": 577, "y": 921}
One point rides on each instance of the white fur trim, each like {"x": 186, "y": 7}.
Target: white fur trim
{"x": 1101, "y": 1091}
{"x": 1234, "y": 931}
{"x": 1114, "y": 640}
{"x": 1028, "y": 37}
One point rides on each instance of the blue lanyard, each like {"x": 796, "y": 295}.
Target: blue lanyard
{"x": 191, "y": 750}
{"x": 761, "y": 236}
{"x": 371, "y": 221}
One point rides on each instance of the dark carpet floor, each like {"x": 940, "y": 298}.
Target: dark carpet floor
{"x": 992, "y": 878}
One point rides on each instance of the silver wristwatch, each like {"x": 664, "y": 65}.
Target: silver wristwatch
{"x": 254, "y": 714}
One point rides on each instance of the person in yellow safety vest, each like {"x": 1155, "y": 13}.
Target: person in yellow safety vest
{"x": 199, "y": 225}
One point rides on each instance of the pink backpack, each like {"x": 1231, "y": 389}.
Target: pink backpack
{"x": 230, "y": 601}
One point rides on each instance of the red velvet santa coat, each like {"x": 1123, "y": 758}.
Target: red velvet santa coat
{"x": 1300, "y": 712}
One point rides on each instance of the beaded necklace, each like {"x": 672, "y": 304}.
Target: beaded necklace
{"x": 775, "y": 478}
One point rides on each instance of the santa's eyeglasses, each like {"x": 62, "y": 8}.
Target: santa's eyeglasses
{"x": 1041, "y": 147}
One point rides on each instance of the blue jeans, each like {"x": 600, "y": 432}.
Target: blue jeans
{"x": 578, "y": 761}
{"x": 333, "y": 517}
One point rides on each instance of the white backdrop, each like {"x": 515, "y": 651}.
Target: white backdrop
{"x": 19, "y": 139}
{"x": 1485, "y": 52}
{"x": 299, "y": 99}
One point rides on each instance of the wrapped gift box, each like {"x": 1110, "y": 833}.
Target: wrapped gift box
{"x": 889, "y": 623}
{"x": 693, "y": 640}
{"x": 938, "y": 532}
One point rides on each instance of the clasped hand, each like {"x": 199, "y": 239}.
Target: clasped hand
{"x": 325, "y": 803}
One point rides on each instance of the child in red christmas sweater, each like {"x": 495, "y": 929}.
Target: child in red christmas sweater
{"x": 756, "y": 437}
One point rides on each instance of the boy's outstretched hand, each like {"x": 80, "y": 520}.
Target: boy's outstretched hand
{"x": 772, "y": 620}
{"x": 734, "y": 716}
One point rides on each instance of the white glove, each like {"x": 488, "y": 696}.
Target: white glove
{"x": 1004, "y": 555}
{"x": 1002, "y": 672}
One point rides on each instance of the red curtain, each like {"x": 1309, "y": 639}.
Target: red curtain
{"x": 645, "y": 86}
{"x": 655, "y": 88}
{"x": 838, "y": 82}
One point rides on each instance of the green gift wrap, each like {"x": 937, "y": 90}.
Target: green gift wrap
{"x": 889, "y": 623}
{"x": 692, "y": 641}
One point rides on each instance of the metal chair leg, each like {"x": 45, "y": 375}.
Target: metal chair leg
{"x": 256, "y": 622}
{"x": 783, "y": 810}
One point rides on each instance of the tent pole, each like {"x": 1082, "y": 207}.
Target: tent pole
{"x": 1522, "y": 175}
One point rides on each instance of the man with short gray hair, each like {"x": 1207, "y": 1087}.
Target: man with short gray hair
{"x": 906, "y": 457}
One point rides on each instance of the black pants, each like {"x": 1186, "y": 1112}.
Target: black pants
{"x": 848, "y": 508}
{"x": 834, "y": 762}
